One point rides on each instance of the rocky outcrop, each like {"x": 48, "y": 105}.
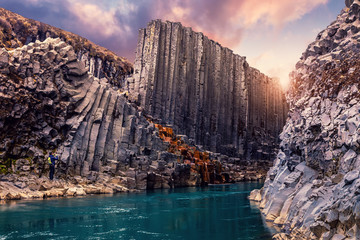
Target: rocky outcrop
{"x": 50, "y": 102}
{"x": 206, "y": 92}
{"x": 17, "y": 31}
{"x": 312, "y": 191}
{"x": 13, "y": 187}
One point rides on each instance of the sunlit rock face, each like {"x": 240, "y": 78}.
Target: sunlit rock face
{"x": 206, "y": 92}
{"x": 17, "y": 31}
{"x": 312, "y": 191}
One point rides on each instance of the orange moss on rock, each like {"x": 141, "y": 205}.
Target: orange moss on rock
{"x": 200, "y": 162}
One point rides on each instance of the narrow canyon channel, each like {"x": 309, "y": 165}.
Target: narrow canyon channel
{"x": 213, "y": 212}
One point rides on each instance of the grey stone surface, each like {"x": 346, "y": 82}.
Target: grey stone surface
{"x": 89, "y": 124}
{"x": 100, "y": 61}
{"x": 64, "y": 108}
{"x": 206, "y": 92}
{"x": 312, "y": 190}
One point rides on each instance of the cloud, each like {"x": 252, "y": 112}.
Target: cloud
{"x": 97, "y": 20}
{"x": 276, "y": 12}
{"x": 226, "y": 20}
{"x": 115, "y": 24}
{"x": 112, "y": 24}
{"x": 275, "y": 65}
{"x": 47, "y": 11}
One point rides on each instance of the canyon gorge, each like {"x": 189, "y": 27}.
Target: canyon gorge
{"x": 312, "y": 192}
{"x": 171, "y": 124}
{"x": 188, "y": 112}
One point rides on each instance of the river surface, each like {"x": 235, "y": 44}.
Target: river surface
{"x": 213, "y": 212}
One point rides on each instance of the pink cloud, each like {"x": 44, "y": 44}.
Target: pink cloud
{"x": 276, "y": 12}
{"x": 114, "y": 24}
{"x": 96, "y": 19}
{"x": 225, "y": 21}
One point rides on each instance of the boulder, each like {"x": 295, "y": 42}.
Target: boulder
{"x": 255, "y": 195}
{"x": 141, "y": 180}
{"x": 351, "y": 177}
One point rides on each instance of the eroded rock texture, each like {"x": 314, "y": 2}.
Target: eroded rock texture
{"x": 206, "y": 92}
{"x": 50, "y": 102}
{"x": 17, "y": 31}
{"x": 312, "y": 191}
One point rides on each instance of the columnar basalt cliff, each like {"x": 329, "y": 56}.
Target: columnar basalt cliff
{"x": 312, "y": 191}
{"x": 206, "y": 92}
{"x": 50, "y": 102}
{"x": 17, "y": 31}
{"x": 53, "y": 98}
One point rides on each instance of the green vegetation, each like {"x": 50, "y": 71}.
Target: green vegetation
{"x": 3, "y": 169}
{"x": 6, "y": 164}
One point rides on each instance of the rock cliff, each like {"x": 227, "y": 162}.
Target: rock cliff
{"x": 53, "y": 98}
{"x": 312, "y": 192}
{"x": 17, "y": 31}
{"x": 50, "y": 102}
{"x": 206, "y": 92}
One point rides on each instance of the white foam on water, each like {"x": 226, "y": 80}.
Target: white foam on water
{"x": 111, "y": 231}
{"x": 36, "y": 234}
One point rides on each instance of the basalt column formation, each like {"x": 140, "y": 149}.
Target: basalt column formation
{"x": 205, "y": 91}
{"x": 313, "y": 190}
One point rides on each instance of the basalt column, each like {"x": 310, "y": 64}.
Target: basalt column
{"x": 206, "y": 92}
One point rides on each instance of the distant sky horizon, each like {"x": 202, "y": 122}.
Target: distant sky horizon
{"x": 271, "y": 34}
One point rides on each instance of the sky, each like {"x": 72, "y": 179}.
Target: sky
{"x": 272, "y": 34}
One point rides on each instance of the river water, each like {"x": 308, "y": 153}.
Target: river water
{"x": 213, "y": 212}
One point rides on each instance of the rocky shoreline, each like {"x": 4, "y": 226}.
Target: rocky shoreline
{"x": 50, "y": 102}
{"x": 312, "y": 192}
{"x": 15, "y": 187}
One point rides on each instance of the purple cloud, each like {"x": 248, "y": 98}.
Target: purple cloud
{"x": 115, "y": 24}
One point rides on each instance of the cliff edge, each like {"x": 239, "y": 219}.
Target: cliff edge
{"x": 312, "y": 192}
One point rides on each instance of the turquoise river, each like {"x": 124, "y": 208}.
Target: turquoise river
{"x": 213, "y": 212}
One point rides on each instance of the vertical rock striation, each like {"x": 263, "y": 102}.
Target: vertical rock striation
{"x": 312, "y": 191}
{"x": 50, "y": 102}
{"x": 206, "y": 92}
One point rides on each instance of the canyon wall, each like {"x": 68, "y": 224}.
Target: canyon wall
{"x": 49, "y": 102}
{"x": 205, "y": 91}
{"x": 17, "y": 31}
{"x": 312, "y": 192}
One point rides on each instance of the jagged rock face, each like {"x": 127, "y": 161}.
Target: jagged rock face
{"x": 17, "y": 31}
{"x": 49, "y": 101}
{"x": 313, "y": 189}
{"x": 206, "y": 92}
